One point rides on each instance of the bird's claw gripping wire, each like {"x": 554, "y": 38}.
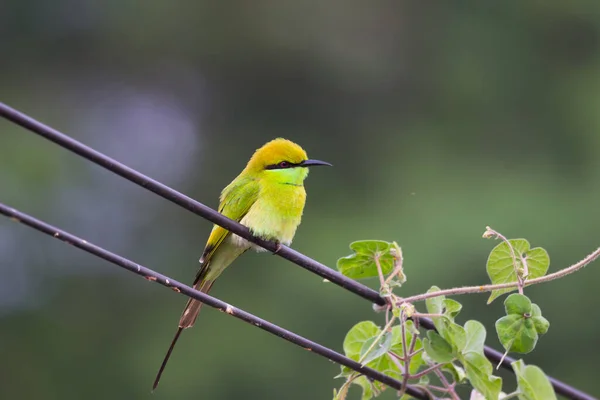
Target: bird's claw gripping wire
{"x": 278, "y": 248}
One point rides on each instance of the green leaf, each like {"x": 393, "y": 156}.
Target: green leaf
{"x": 516, "y": 333}
{"x": 501, "y": 269}
{"x": 370, "y": 389}
{"x": 438, "y": 348}
{"x": 345, "y": 372}
{"x": 475, "y": 332}
{"x": 366, "y": 386}
{"x": 451, "y": 332}
{"x": 359, "y": 339}
{"x": 479, "y": 372}
{"x": 477, "y": 367}
{"x": 384, "y": 364}
{"x": 518, "y": 330}
{"x": 518, "y": 304}
{"x": 475, "y": 395}
{"x": 435, "y": 305}
{"x": 455, "y": 335}
{"x": 457, "y": 372}
{"x": 532, "y": 382}
{"x": 541, "y": 324}
{"x": 357, "y": 336}
{"x": 382, "y": 346}
{"x": 361, "y": 264}
{"x": 451, "y": 308}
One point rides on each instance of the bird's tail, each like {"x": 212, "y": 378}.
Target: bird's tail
{"x": 190, "y": 313}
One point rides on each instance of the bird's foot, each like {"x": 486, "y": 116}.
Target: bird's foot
{"x": 278, "y": 248}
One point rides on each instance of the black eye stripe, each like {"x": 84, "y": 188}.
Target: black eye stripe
{"x": 281, "y": 165}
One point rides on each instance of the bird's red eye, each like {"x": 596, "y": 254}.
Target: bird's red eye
{"x": 284, "y": 164}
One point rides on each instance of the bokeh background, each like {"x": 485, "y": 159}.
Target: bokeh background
{"x": 440, "y": 119}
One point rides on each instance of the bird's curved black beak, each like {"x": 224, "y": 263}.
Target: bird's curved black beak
{"x": 313, "y": 163}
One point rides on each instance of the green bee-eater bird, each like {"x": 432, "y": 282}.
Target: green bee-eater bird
{"x": 268, "y": 197}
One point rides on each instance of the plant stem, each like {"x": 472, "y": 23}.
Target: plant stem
{"x": 447, "y": 384}
{"x": 377, "y": 339}
{"x": 398, "y": 261}
{"x": 380, "y": 273}
{"x": 405, "y": 354}
{"x": 426, "y": 371}
{"x": 426, "y": 315}
{"x": 512, "y": 395}
{"x": 488, "y": 288}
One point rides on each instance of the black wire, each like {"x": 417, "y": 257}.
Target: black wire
{"x": 206, "y": 212}
{"x": 186, "y": 202}
{"x": 153, "y": 276}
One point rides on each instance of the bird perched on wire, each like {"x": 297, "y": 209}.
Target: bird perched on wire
{"x": 268, "y": 197}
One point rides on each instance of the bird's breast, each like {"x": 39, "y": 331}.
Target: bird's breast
{"x": 277, "y": 212}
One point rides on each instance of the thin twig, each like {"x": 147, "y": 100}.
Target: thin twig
{"x": 387, "y": 314}
{"x": 379, "y": 272}
{"x": 488, "y": 288}
{"x": 397, "y": 356}
{"x": 427, "y": 315}
{"x": 522, "y": 277}
{"x": 426, "y": 389}
{"x": 377, "y": 339}
{"x": 439, "y": 388}
{"x": 447, "y": 384}
{"x": 512, "y": 395}
{"x": 411, "y": 348}
{"x": 414, "y": 353}
{"x": 341, "y": 394}
{"x": 407, "y": 357}
{"x": 426, "y": 371}
{"x": 398, "y": 261}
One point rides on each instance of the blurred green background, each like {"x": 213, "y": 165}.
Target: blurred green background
{"x": 440, "y": 119}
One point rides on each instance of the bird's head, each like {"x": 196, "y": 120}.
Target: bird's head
{"x": 283, "y": 161}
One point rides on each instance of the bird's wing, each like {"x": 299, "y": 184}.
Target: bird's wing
{"x": 236, "y": 200}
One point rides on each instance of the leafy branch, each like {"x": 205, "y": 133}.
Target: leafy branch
{"x": 522, "y": 282}
{"x": 452, "y": 354}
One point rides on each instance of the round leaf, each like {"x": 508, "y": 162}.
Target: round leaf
{"x": 382, "y": 346}
{"x": 361, "y": 264}
{"x": 541, "y": 324}
{"x": 435, "y": 305}
{"x": 517, "y": 333}
{"x": 357, "y": 336}
{"x": 518, "y": 304}
{"x": 479, "y": 372}
{"x": 475, "y": 332}
{"x": 533, "y": 383}
{"x": 501, "y": 268}
{"x": 438, "y": 348}
{"x": 451, "y": 308}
